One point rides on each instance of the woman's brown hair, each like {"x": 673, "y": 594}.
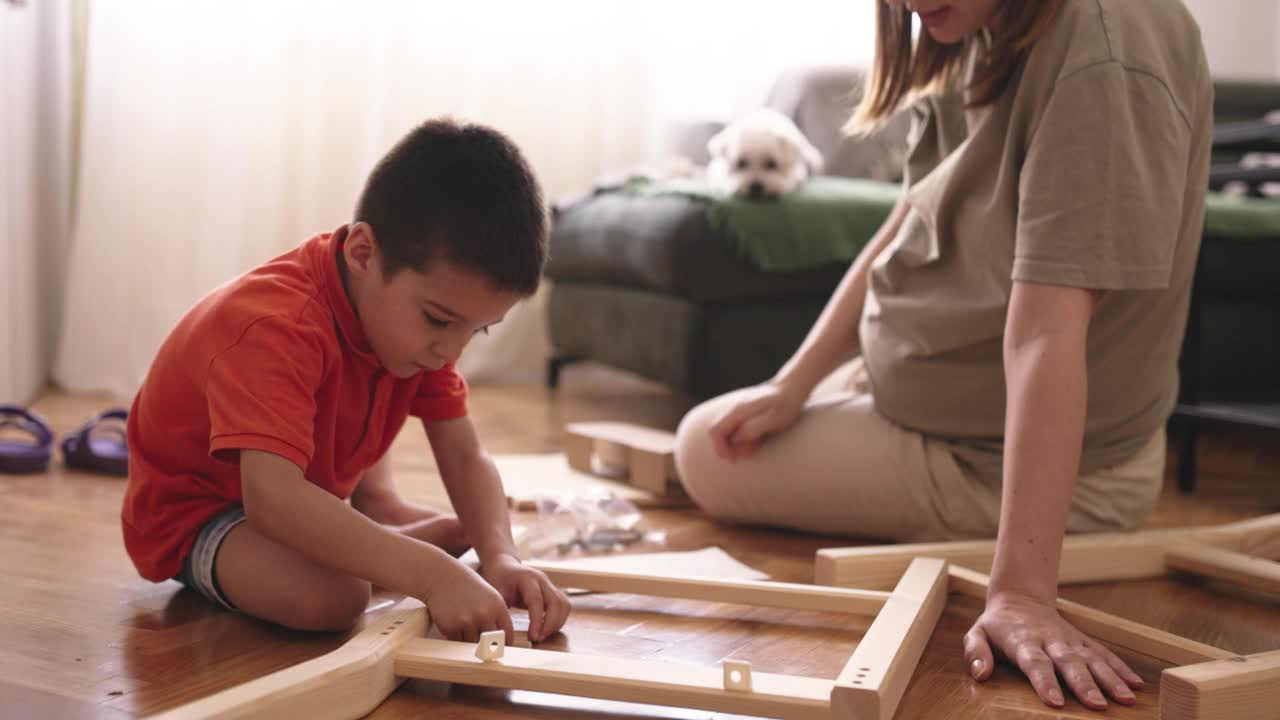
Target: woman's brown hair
{"x": 904, "y": 69}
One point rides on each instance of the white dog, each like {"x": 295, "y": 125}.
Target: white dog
{"x": 762, "y": 155}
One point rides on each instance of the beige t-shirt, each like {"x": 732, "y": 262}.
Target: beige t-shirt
{"x": 1090, "y": 171}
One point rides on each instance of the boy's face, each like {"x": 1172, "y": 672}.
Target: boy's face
{"x": 416, "y": 320}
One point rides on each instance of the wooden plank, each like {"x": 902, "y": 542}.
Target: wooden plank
{"x": 526, "y": 478}
{"x": 620, "y": 679}
{"x": 648, "y": 455}
{"x": 1107, "y": 627}
{"x": 1259, "y": 537}
{"x": 627, "y": 434}
{"x": 1238, "y": 688}
{"x": 872, "y": 683}
{"x": 1092, "y": 558}
{"x": 1085, "y": 558}
{"x": 346, "y": 683}
{"x": 1239, "y": 569}
{"x": 578, "y": 451}
{"x": 792, "y": 596}
{"x": 881, "y": 567}
{"x": 651, "y": 471}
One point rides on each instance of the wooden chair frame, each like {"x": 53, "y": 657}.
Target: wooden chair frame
{"x": 354, "y": 679}
{"x": 1209, "y": 684}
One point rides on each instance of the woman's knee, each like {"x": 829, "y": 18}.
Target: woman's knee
{"x": 704, "y": 474}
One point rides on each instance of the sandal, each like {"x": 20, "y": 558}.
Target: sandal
{"x": 24, "y": 457}
{"x": 100, "y": 445}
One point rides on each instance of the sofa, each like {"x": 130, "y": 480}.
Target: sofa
{"x": 645, "y": 284}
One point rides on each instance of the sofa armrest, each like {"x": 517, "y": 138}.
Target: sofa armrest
{"x": 1255, "y": 136}
{"x": 688, "y": 139}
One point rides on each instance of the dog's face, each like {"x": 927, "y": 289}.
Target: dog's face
{"x": 761, "y": 156}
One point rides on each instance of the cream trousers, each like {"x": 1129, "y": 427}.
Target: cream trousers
{"x": 844, "y": 469}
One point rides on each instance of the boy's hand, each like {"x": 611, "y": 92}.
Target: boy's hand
{"x": 526, "y": 587}
{"x": 463, "y": 605}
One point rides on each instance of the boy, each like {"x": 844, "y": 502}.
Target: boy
{"x": 277, "y": 396}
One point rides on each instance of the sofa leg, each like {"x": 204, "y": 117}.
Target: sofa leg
{"x": 554, "y": 365}
{"x": 1186, "y": 444}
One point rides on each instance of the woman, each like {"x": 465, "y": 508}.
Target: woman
{"x": 1019, "y": 314}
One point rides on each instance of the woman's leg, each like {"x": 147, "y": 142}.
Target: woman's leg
{"x": 842, "y": 469}
{"x": 1121, "y": 497}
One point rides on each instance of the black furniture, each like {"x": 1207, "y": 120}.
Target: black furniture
{"x": 1230, "y": 362}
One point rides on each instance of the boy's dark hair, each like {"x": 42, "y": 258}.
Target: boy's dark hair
{"x": 461, "y": 193}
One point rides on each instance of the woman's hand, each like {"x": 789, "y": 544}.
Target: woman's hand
{"x": 1032, "y": 635}
{"x": 764, "y": 410}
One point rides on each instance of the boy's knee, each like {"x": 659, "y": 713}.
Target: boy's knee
{"x": 335, "y": 609}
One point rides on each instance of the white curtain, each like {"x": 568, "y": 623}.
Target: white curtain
{"x": 35, "y": 188}
{"x": 218, "y": 134}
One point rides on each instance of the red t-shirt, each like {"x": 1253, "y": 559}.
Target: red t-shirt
{"x": 275, "y": 360}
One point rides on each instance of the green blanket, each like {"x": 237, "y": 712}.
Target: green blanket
{"x": 826, "y": 220}
{"x": 829, "y": 219}
{"x": 1241, "y": 218}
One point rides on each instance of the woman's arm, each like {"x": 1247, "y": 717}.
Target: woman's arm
{"x": 833, "y": 339}
{"x": 773, "y": 406}
{"x": 1047, "y": 388}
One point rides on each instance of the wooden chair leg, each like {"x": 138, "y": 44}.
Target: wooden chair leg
{"x": 555, "y": 364}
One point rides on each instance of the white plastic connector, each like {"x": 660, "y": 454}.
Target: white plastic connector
{"x": 492, "y": 645}
{"x": 737, "y": 675}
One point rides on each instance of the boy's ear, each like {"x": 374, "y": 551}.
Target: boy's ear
{"x": 360, "y": 248}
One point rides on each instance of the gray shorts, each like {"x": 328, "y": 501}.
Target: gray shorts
{"x": 197, "y": 570}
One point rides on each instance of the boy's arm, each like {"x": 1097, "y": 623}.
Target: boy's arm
{"x": 1047, "y": 382}
{"x": 474, "y": 487}
{"x": 282, "y": 505}
{"x": 376, "y": 498}
{"x": 476, "y": 491}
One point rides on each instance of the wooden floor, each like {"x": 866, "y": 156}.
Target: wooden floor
{"x": 82, "y": 636}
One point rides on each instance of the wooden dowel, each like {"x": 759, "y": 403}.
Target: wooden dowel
{"x": 792, "y": 596}
{"x": 1246, "y": 571}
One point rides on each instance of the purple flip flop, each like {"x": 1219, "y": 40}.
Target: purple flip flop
{"x": 25, "y": 457}
{"x": 99, "y": 444}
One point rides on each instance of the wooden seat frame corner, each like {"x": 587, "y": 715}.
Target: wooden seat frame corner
{"x": 1208, "y": 683}
{"x": 354, "y": 679}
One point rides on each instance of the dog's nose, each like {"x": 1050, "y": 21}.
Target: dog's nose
{"x": 756, "y": 189}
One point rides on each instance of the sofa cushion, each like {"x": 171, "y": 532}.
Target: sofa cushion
{"x": 665, "y": 243}
{"x": 1240, "y": 252}
{"x": 825, "y": 220}
{"x": 700, "y": 348}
